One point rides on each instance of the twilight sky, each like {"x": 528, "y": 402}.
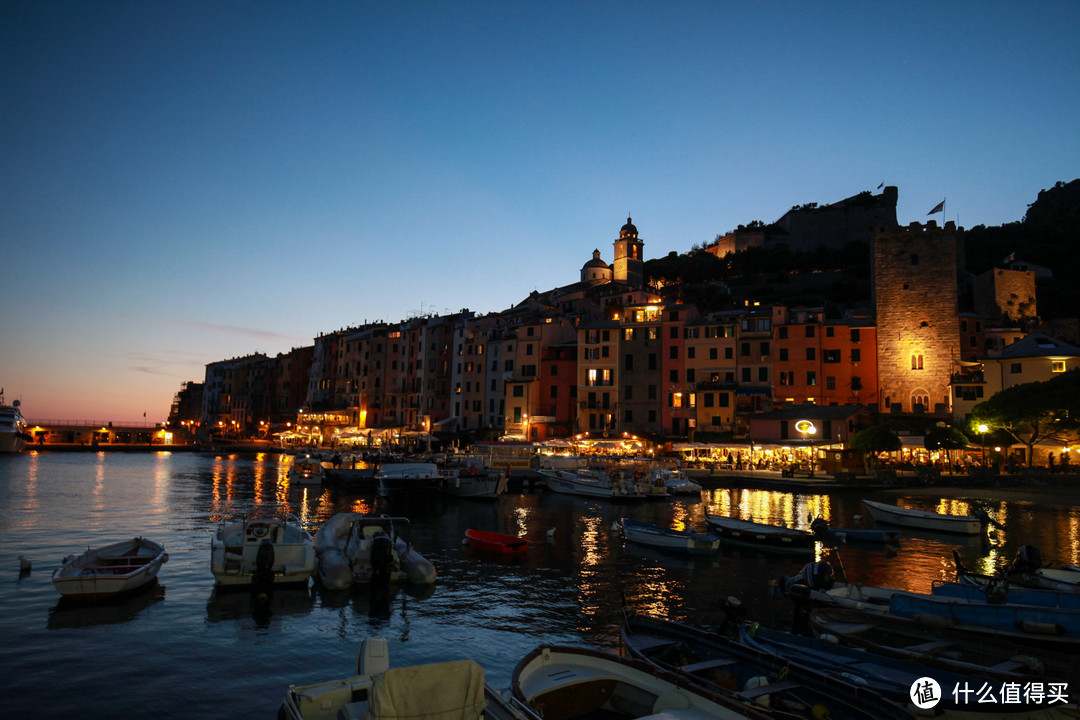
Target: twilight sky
{"x": 183, "y": 182}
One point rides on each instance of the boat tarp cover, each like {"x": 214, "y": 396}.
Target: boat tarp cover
{"x": 437, "y": 691}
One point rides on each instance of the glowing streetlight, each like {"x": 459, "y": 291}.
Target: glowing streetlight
{"x": 982, "y": 434}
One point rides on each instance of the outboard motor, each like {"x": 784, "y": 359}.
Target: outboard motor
{"x": 382, "y": 558}
{"x": 1028, "y": 559}
{"x": 263, "y": 577}
{"x": 816, "y": 575}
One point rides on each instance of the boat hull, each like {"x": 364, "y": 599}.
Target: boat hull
{"x": 359, "y": 549}
{"x": 924, "y": 519}
{"x": 496, "y": 542}
{"x": 772, "y": 538}
{"x": 680, "y": 541}
{"x": 111, "y": 570}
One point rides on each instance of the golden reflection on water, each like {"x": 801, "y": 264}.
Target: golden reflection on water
{"x": 768, "y": 506}
{"x": 520, "y": 519}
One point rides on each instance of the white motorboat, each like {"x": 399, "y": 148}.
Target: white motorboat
{"x": 13, "y": 435}
{"x": 405, "y": 478}
{"x": 354, "y": 548}
{"x": 588, "y": 484}
{"x": 473, "y": 478}
{"x": 925, "y": 519}
{"x": 566, "y": 682}
{"x": 676, "y": 482}
{"x": 110, "y": 570}
{"x": 261, "y": 549}
{"x": 446, "y": 690}
{"x": 307, "y": 470}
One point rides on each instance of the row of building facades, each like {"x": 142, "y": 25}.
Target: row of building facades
{"x": 606, "y": 355}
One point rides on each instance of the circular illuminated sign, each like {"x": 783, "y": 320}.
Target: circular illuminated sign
{"x": 806, "y": 427}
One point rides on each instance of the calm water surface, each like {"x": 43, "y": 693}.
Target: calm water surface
{"x": 182, "y": 650}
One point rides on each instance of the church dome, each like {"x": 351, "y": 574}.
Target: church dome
{"x": 596, "y": 261}
{"x": 628, "y": 230}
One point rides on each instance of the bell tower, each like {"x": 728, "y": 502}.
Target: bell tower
{"x": 629, "y": 266}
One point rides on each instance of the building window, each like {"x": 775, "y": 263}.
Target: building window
{"x": 1016, "y": 368}
{"x": 746, "y": 375}
{"x": 763, "y": 374}
{"x": 713, "y": 353}
{"x": 708, "y": 398}
{"x": 830, "y": 382}
{"x": 652, "y": 361}
{"x": 811, "y": 353}
{"x": 810, "y": 331}
{"x": 673, "y": 352}
{"x": 652, "y": 392}
{"x": 628, "y": 392}
{"x": 554, "y": 391}
{"x": 916, "y": 361}
{"x": 783, "y": 355}
{"x": 854, "y": 335}
{"x": 811, "y": 377}
{"x": 674, "y": 376}
{"x": 856, "y": 382}
{"x": 830, "y": 331}
{"x": 744, "y": 349}
{"x": 831, "y": 356}
{"x": 690, "y": 353}
{"x": 673, "y": 333}
{"x": 628, "y": 416}
{"x": 856, "y": 355}
{"x": 1057, "y": 366}
{"x": 519, "y": 391}
{"x": 628, "y": 362}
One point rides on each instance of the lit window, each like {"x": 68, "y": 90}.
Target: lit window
{"x": 916, "y": 361}
{"x": 1057, "y": 366}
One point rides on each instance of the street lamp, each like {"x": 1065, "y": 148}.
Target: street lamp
{"x": 982, "y": 434}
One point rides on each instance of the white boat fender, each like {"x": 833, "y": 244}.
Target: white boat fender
{"x": 854, "y": 678}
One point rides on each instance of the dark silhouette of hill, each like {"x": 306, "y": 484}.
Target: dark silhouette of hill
{"x": 838, "y": 279}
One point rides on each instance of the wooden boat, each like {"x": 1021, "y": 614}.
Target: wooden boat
{"x": 925, "y": 519}
{"x": 840, "y": 535}
{"x": 264, "y": 548}
{"x": 932, "y": 646}
{"x": 564, "y": 683}
{"x": 454, "y": 689}
{"x": 999, "y": 593}
{"x": 110, "y": 570}
{"x": 306, "y": 470}
{"x": 749, "y": 675}
{"x": 358, "y": 549}
{"x": 684, "y": 541}
{"x": 1026, "y": 570}
{"x": 893, "y": 677}
{"x": 761, "y": 536}
{"x": 496, "y": 542}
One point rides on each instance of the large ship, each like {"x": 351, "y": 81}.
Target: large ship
{"x": 13, "y": 433}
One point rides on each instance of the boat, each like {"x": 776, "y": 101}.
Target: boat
{"x": 446, "y": 690}
{"x": 261, "y": 549}
{"x": 684, "y": 541}
{"x": 1028, "y": 570}
{"x": 355, "y": 548}
{"x": 1003, "y": 593}
{"x": 418, "y": 479}
{"x": 676, "y": 482}
{"x": 13, "y": 434}
{"x": 893, "y": 677}
{"x": 110, "y": 570}
{"x": 761, "y": 536}
{"x": 472, "y": 478}
{"x": 933, "y": 646}
{"x": 748, "y": 675}
{"x": 587, "y": 484}
{"x": 496, "y": 542}
{"x": 307, "y": 470}
{"x": 563, "y": 683}
{"x": 843, "y": 535}
{"x": 925, "y": 519}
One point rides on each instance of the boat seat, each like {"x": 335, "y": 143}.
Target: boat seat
{"x": 707, "y": 665}
{"x": 449, "y": 691}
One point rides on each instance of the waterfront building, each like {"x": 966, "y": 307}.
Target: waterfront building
{"x": 709, "y": 343}
{"x": 754, "y": 360}
{"x": 639, "y": 369}
{"x": 823, "y": 361}
{"x": 678, "y": 407}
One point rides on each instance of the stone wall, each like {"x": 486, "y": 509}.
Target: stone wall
{"x": 1005, "y": 295}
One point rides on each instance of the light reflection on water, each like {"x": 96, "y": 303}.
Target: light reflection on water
{"x": 227, "y": 657}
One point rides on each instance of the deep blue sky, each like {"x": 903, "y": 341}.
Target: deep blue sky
{"x": 182, "y": 182}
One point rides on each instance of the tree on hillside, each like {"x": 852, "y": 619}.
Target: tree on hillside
{"x": 1034, "y": 411}
{"x": 873, "y": 441}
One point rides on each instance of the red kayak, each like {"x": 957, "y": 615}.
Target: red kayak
{"x": 496, "y": 542}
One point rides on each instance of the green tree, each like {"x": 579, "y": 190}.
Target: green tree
{"x": 947, "y": 438}
{"x": 872, "y": 441}
{"x": 1034, "y": 411}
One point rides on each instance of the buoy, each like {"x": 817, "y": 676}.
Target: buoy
{"x": 24, "y": 564}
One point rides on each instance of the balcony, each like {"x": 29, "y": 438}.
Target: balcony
{"x": 968, "y": 377}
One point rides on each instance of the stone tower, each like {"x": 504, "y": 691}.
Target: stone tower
{"x": 629, "y": 266}
{"x": 916, "y": 298}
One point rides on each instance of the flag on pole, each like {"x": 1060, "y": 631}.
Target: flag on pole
{"x": 881, "y": 185}
{"x": 937, "y": 208}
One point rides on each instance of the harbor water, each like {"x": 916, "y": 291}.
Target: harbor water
{"x": 181, "y": 649}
